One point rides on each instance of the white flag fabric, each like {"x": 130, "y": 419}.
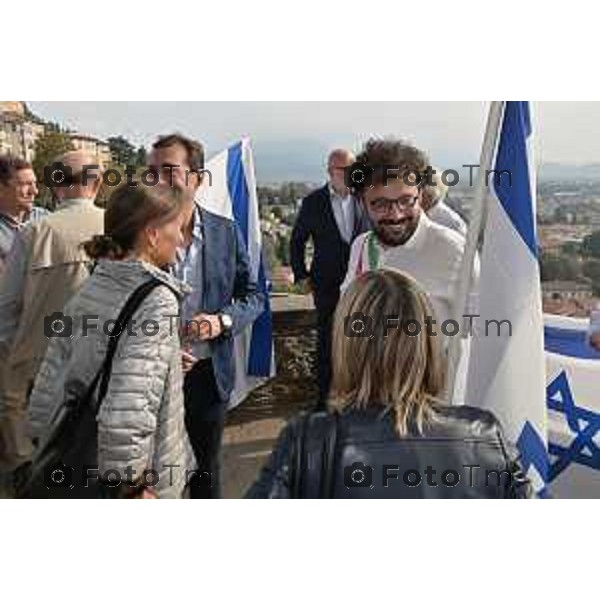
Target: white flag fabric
{"x": 230, "y": 191}
{"x": 573, "y": 400}
{"x": 507, "y": 369}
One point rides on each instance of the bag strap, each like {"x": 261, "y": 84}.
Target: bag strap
{"x": 131, "y": 305}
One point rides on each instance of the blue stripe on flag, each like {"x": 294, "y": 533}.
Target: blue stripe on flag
{"x": 261, "y": 343}
{"x": 569, "y": 342}
{"x": 238, "y": 189}
{"x": 512, "y": 150}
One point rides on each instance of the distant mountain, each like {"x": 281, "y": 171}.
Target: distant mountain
{"x": 305, "y": 160}
{"x": 562, "y": 172}
{"x": 290, "y": 160}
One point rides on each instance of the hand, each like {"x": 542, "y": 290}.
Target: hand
{"x": 188, "y": 360}
{"x": 204, "y": 327}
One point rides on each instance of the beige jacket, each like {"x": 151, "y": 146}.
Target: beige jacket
{"x": 55, "y": 266}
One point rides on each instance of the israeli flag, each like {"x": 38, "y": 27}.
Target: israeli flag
{"x": 230, "y": 191}
{"x": 507, "y": 365}
{"x": 573, "y": 402}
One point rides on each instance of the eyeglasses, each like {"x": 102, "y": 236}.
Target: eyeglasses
{"x": 384, "y": 205}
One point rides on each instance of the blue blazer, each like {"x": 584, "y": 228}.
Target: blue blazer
{"x": 228, "y": 289}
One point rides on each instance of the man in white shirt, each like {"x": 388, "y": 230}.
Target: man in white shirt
{"x": 403, "y": 236}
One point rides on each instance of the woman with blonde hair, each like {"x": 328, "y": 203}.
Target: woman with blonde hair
{"x": 394, "y": 436}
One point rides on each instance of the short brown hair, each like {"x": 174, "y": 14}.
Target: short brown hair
{"x": 9, "y": 165}
{"x": 194, "y": 149}
{"x": 391, "y": 369}
{"x": 378, "y": 154}
{"x": 128, "y": 211}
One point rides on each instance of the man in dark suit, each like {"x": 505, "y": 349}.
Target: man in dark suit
{"x": 332, "y": 218}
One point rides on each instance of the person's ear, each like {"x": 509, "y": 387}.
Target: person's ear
{"x": 152, "y": 237}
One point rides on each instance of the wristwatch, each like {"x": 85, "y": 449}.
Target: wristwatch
{"x": 226, "y": 322}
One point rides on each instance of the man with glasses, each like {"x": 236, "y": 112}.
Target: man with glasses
{"x": 403, "y": 236}
{"x": 332, "y": 218}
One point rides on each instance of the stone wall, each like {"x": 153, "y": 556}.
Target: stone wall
{"x": 295, "y": 339}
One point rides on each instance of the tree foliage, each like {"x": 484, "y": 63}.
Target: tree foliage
{"x": 591, "y": 245}
{"x": 47, "y": 149}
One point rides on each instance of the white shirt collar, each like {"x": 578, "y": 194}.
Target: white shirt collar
{"x": 335, "y": 195}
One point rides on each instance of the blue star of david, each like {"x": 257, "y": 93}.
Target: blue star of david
{"x": 583, "y": 423}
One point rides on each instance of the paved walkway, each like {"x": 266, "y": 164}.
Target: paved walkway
{"x": 251, "y": 431}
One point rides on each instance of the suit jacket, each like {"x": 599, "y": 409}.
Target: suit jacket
{"x": 316, "y": 220}
{"x": 228, "y": 288}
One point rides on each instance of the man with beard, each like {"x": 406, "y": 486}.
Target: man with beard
{"x": 403, "y": 236}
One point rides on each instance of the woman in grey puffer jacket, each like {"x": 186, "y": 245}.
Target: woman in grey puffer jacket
{"x": 141, "y": 419}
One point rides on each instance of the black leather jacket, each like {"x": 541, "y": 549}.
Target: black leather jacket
{"x": 461, "y": 454}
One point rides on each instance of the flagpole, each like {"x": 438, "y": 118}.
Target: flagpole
{"x": 476, "y": 224}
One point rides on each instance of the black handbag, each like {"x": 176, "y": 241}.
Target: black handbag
{"x": 59, "y": 462}
{"x": 314, "y": 456}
